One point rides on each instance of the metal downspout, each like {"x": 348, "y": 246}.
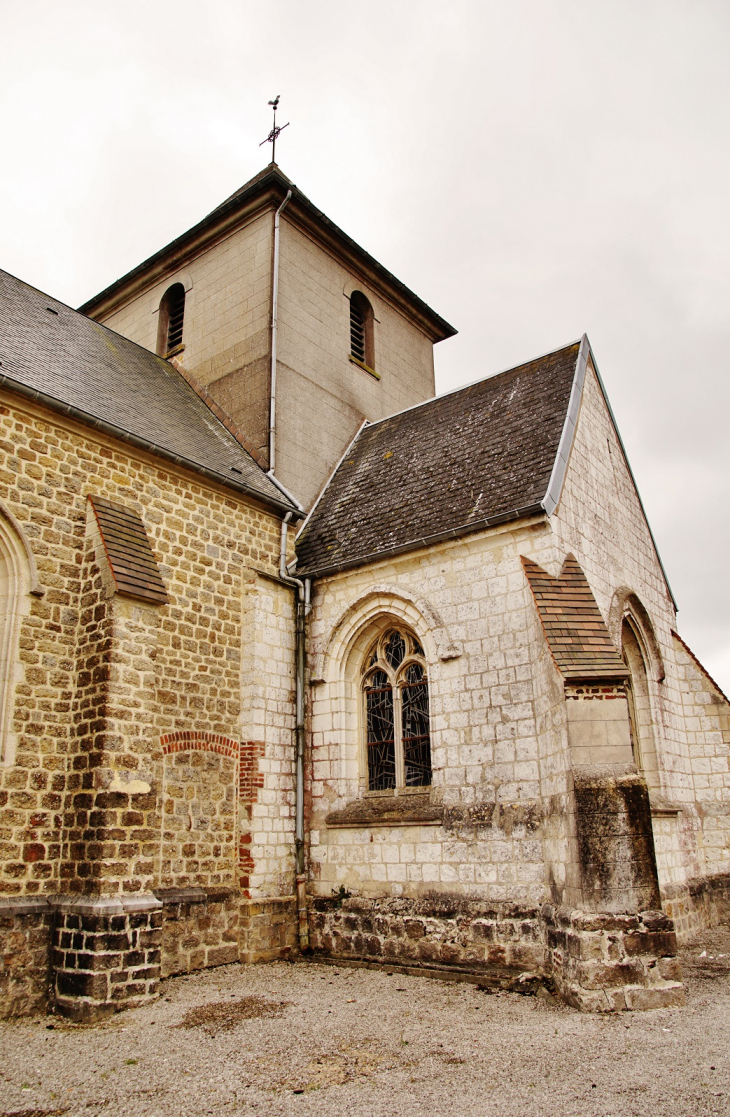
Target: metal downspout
{"x": 303, "y": 607}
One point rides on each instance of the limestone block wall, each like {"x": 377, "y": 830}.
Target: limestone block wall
{"x": 227, "y": 318}
{"x": 322, "y": 397}
{"x": 266, "y": 820}
{"x": 467, "y": 603}
{"x": 599, "y": 519}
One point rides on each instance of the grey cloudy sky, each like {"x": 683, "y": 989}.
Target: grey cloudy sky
{"x": 532, "y": 168}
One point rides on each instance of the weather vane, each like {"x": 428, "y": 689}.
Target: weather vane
{"x": 275, "y": 131}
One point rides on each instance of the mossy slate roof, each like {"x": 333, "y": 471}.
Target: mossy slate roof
{"x": 459, "y": 463}
{"x": 75, "y": 363}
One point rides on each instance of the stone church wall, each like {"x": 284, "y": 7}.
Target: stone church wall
{"x": 227, "y": 322}
{"x": 322, "y": 396}
{"x": 600, "y": 520}
{"x": 153, "y": 743}
{"x": 467, "y": 602}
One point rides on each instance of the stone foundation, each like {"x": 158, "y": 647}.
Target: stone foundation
{"x": 700, "y": 902}
{"x": 459, "y": 933}
{"x": 106, "y": 955}
{"x": 26, "y": 928}
{"x": 609, "y": 963}
{"x": 598, "y": 963}
{"x": 268, "y": 929}
{"x": 200, "y": 928}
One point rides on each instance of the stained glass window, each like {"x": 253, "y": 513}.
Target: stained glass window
{"x": 380, "y": 732}
{"x": 396, "y": 713}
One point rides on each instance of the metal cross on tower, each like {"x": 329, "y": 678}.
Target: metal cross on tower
{"x": 275, "y": 131}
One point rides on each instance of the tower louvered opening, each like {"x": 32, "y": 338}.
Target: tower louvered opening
{"x": 361, "y": 329}
{"x": 175, "y": 316}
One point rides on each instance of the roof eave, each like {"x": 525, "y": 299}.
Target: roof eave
{"x": 144, "y": 444}
{"x": 528, "y": 511}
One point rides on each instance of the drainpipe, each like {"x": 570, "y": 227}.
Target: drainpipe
{"x": 274, "y": 317}
{"x": 303, "y": 606}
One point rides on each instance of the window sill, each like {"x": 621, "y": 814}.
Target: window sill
{"x": 412, "y": 808}
{"x": 362, "y": 365}
{"x": 174, "y": 352}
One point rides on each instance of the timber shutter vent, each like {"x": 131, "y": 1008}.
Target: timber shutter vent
{"x": 175, "y": 320}
{"x": 357, "y": 330}
{"x": 361, "y": 331}
{"x": 129, "y": 554}
{"x": 172, "y": 315}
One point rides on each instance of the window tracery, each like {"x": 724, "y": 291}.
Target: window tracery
{"x": 397, "y": 734}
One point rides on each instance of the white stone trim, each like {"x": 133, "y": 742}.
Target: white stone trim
{"x": 384, "y": 601}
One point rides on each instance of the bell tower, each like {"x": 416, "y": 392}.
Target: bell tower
{"x": 294, "y": 330}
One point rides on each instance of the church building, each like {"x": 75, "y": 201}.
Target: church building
{"x": 298, "y": 659}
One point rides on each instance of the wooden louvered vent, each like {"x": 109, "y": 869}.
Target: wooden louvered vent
{"x": 357, "y": 330}
{"x": 176, "y": 314}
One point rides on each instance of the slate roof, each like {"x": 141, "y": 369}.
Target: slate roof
{"x": 73, "y": 364}
{"x": 574, "y": 628}
{"x": 456, "y": 464}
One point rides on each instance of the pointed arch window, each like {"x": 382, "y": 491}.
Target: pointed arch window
{"x": 396, "y": 711}
{"x": 362, "y": 332}
{"x": 172, "y": 317}
{"x": 643, "y": 745}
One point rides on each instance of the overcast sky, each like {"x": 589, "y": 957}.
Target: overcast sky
{"x": 533, "y": 169}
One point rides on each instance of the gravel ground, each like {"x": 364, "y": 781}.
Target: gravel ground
{"x": 309, "y": 1039}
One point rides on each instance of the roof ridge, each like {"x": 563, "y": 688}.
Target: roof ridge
{"x": 473, "y": 383}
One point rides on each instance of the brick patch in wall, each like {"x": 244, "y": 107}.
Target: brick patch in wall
{"x": 250, "y": 782}
{"x": 184, "y": 740}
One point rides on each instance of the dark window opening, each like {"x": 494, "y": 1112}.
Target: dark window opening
{"x": 361, "y": 330}
{"x": 172, "y": 315}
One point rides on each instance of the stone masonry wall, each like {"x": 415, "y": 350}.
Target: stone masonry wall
{"x": 200, "y": 928}
{"x": 226, "y": 328}
{"x": 125, "y": 673}
{"x": 26, "y": 931}
{"x": 597, "y": 963}
{"x": 467, "y": 603}
{"x": 323, "y": 397}
{"x": 600, "y": 520}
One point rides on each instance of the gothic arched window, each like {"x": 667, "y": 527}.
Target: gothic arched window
{"x": 172, "y": 314}
{"x": 397, "y": 737}
{"x": 640, "y": 717}
{"x": 361, "y": 331}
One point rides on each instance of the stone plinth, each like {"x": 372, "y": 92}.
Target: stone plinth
{"x": 106, "y": 955}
